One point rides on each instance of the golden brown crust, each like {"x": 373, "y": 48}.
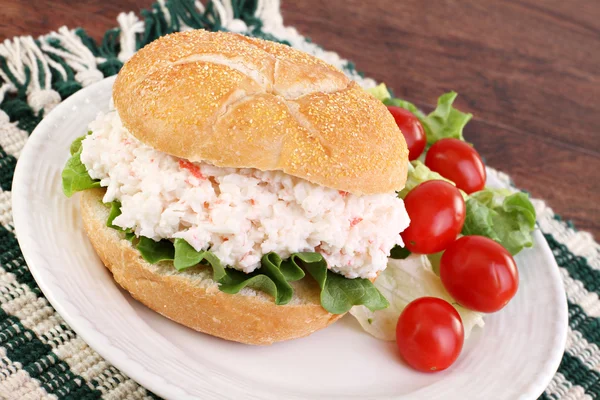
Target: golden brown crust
{"x": 193, "y": 299}
{"x": 235, "y": 101}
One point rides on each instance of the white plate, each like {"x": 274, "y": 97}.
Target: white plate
{"x": 514, "y": 357}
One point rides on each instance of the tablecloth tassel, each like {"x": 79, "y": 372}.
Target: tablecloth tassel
{"x": 268, "y": 12}
{"x": 165, "y": 10}
{"x": 130, "y": 26}
{"x": 12, "y": 139}
{"x": 67, "y": 45}
{"x": 12, "y": 68}
{"x": 234, "y": 23}
{"x": 222, "y": 12}
{"x": 189, "y": 14}
{"x": 40, "y": 95}
{"x": 24, "y": 67}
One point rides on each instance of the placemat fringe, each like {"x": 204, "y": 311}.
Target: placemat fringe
{"x": 40, "y": 356}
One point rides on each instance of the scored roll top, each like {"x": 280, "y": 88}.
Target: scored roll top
{"x": 240, "y": 102}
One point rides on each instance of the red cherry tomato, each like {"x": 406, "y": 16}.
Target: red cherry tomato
{"x": 411, "y": 128}
{"x": 459, "y": 162}
{"x": 437, "y": 214}
{"x": 479, "y": 273}
{"x": 429, "y": 334}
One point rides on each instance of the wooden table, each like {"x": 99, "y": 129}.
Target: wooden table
{"x": 528, "y": 70}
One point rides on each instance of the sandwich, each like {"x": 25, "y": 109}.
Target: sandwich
{"x": 240, "y": 187}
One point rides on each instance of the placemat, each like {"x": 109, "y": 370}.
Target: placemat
{"x": 40, "y": 356}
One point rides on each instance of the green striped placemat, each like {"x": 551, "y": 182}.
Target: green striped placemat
{"x": 40, "y": 356}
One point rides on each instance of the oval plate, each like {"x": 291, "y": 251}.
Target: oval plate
{"x": 513, "y": 357}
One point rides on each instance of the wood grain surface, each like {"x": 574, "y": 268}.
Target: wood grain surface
{"x": 528, "y": 70}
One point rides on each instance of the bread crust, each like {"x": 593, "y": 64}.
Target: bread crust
{"x": 235, "y": 101}
{"x": 193, "y": 299}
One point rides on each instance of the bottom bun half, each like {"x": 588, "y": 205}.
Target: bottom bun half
{"x": 193, "y": 299}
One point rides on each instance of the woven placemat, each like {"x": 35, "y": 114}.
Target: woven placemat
{"x": 41, "y": 357}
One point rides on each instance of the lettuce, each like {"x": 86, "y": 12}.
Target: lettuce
{"x": 236, "y": 280}
{"x": 339, "y": 294}
{"x": 443, "y": 122}
{"x": 399, "y": 253}
{"x": 75, "y": 176}
{"x": 402, "y": 282}
{"x": 503, "y": 216}
{"x": 186, "y": 256}
{"x": 272, "y": 269}
{"x": 115, "y": 211}
{"x": 76, "y": 145}
{"x": 419, "y": 173}
{"x": 380, "y": 92}
{"x": 153, "y": 251}
{"x": 409, "y": 106}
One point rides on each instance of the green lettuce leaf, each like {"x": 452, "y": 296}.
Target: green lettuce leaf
{"x": 75, "y": 176}
{"x": 273, "y": 266}
{"x": 339, "y": 294}
{"x": 419, "y": 173}
{"x": 76, "y": 145}
{"x": 408, "y": 106}
{"x": 399, "y": 253}
{"x": 445, "y": 121}
{"x": 186, "y": 256}
{"x": 271, "y": 277}
{"x": 154, "y": 252}
{"x": 115, "y": 211}
{"x": 236, "y": 280}
{"x": 291, "y": 270}
{"x": 380, "y": 92}
{"x": 508, "y": 218}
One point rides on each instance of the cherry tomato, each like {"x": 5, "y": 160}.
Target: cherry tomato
{"x": 429, "y": 334}
{"x": 479, "y": 273}
{"x": 411, "y": 128}
{"x": 459, "y": 162}
{"x": 437, "y": 214}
